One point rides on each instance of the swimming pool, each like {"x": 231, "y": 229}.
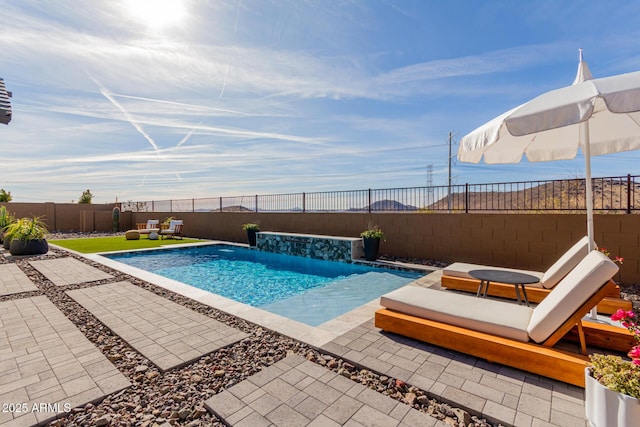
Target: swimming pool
{"x": 308, "y": 290}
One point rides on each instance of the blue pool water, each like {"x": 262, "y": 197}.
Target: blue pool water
{"x": 308, "y": 290}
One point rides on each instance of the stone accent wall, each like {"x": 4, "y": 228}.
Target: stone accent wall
{"x": 329, "y": 248}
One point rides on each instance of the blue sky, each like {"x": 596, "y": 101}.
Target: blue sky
{"x": 241, "y": 97}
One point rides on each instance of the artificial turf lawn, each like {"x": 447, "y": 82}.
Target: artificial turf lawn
{"x": 116, "y": 243}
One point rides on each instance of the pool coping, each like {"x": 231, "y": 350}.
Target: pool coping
{"x": 316, "y": 336}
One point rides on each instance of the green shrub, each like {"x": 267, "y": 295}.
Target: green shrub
{"x": 373, "y": 232}
{"x": 616, "y": 374}
{"x": 26, "y": 229}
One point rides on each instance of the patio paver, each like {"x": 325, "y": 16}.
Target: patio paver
{"x": 48, "y": 366}
{"x": 14, "y": 281}
{"x": 167, "y": 333}
{"x": 297, "y": 392}
{"x": 496, "y": 392}
{"x": 68, "y": 271}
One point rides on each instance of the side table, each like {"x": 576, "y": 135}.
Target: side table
{"x": 503, "y": 276}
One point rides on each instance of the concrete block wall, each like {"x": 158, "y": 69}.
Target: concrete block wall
{"x": 65, "y": 216}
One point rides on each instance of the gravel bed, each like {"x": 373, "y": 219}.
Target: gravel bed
{"x": 177, "y": 396}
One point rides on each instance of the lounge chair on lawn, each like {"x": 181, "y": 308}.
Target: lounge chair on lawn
{"x": 503, "y": 332}
{"x": 149, "y": 227}
{"x": 174, "y": 230}
{"x": 456, "y": 277}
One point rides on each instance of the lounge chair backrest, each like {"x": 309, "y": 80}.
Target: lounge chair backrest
{"x": 173, "y": 223}
{"x": 593, "y": 272}
{"x": 565, "y": 263}
{"x": 152, "y": 223}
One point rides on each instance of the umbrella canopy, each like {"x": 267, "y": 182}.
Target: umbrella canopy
{"x": 5, "y": 104}
{"x": 599, "y": 116}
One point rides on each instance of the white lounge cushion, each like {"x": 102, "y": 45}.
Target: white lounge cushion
{"x": 462, "y": 269}
{"x": 548, "y": 279}
{"x": 152, "y": 225}
{"x": 579, "y": 285}
{"x": 484, "y": 315}
{"x": 566, "y": 263}
{"x": 172, "y": 226}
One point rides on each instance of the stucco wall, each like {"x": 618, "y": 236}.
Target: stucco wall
{"x": 64, "y": 216}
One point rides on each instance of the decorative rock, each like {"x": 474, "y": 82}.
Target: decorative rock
{"x": 184, "y": 413}
{"x": 410, "y": 398}
{"x": 104, "y": 420}
{"x": 463, "y": 416}
{"x": 198, "y": 412}
{"x": 141, "y": 368}
{"x": 422, "y": 399}
{"x": 219, "y": 373}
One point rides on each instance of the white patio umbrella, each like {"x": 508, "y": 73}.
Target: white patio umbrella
{"x": 600, "y": 116}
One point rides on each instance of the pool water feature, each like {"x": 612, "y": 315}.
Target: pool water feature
{"x": 308, "y": 290}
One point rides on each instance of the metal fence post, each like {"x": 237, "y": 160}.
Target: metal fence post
{"x": 220, "y": 203}
{"x": 369, "y": 200}
{"x": 304, "y": 202}
{"x": 466, "y": 197}
{"x": 193, "y": 205}
{"x": 171, "y": 206}
{"x": 629, "y": 189}
{"x": 256, "y": 203}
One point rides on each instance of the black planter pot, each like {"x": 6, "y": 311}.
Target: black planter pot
{"x": 251, "y": 236}
{"x": 6, "y": 243}
{"x": 371, "y": 247}
{"x": 28, "y": 247}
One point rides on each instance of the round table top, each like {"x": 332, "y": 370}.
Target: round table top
{"x": 504, "y": 276}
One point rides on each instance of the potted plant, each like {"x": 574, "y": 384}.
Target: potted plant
{"x": 166, "y": 222}
{"x": 27, "y": 236}
{"x": 612, "y": 385}
{"x": 371, "y": 241}
{"x": 251, "y": 228}
{"x": 5, "y": 219}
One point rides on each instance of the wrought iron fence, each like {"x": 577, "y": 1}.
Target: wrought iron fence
{"x": 611, "y": 194}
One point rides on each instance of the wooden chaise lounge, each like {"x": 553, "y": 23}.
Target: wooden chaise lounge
{"x": 174, "y": 230}
{"x": 149, "y": 227}
{"x": 503, "y": 332}
{"x": 456, "y": 277}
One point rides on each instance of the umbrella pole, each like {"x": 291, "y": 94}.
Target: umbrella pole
{"x": 586, "y": 151}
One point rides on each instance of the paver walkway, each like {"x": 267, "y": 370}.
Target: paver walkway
{"x": 297, "y": 392}
{"x": 13, "y": 280}
{"x": 48, "y": 366}
{"x": 499, "y": 393}
{"x": 165, "y": 332}
{"x": 68, "y": 271}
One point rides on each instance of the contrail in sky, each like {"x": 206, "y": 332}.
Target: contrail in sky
{"x": 127, "y": 116}
{"x": 179, "y": 104}
{"x": 187, "y": 136}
